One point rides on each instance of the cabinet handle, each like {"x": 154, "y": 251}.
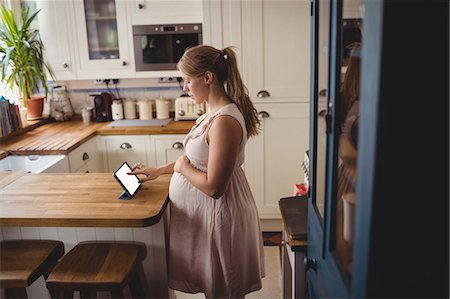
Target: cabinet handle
{"x": 87, "y": 171}
{"x": 124, "y": 63}
{"x": 310, "y": 263}
{"x": 140, "y": 6}
{"x": 65, "y": 65}
{"x": 263, "y": 94}
{"x": 125, "y": 145}
{"x": 263, "y": 114}
{"x": 283, "y": 243}
{"x": 177, "y": 145}
{"x": 85, "y": 156}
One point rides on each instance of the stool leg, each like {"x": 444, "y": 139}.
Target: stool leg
{"x": 58, "y": 294}
{"x": 136, "y": 283}
{"x": 117, "y": 293}
{"x": 16, "y": 293}
{"x": 88, "y": 294}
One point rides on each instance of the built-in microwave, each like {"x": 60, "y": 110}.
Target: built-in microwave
{"x": 159, "y": 47}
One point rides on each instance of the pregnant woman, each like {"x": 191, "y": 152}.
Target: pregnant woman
{"x": 216, "y": 244}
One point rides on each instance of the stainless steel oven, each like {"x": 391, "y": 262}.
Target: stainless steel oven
{"x": 159, "y": 47}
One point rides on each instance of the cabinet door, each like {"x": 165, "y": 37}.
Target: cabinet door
{"x": 93, "y": 166}
{"x": 102, "y": 38}
{"x": 273, "y": 158}
{"x": 55, "y": 27}
{"x": 276, "y": 49}
{"x": 145, "y": 12}
{"x": 130, "y": 148}
{"x": 82, "y": 155}
{"x": 168, "y": 148}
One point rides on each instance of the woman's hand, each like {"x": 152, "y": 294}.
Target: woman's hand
{"x": 149, "y": 172}
{"x": 181, "y": 163}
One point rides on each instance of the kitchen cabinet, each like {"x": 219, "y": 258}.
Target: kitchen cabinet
{"x": 102, "y": 39}
{"x": 154, "y": 12}
{"x": 130, "y": 148}
{"x": 55, "y": 22}
{"x": 273, "y": 158}
{"x": 273, "y": 56}
{"x": 86, "y": 158}
{"x": 167, "y": 148}
{"x": 276, "y": 57}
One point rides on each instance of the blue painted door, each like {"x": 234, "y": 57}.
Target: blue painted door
{"x": 335, "y": 40}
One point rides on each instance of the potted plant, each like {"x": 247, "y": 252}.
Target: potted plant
{"x": 21, "y": 58}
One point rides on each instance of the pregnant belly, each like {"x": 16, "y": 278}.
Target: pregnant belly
{"x": 179, "y": 187}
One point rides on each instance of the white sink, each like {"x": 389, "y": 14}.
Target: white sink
{"x": 35, "y": 163}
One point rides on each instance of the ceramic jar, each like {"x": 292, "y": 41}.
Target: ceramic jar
{"x": 129, "y": 108}
{"x": 162, "y": 108}
{"x": 145, "y": 109}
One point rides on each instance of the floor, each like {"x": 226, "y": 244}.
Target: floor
{"x": 271, "y": 283}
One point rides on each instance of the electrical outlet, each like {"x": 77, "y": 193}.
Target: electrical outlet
{"x": 98, "y": 81}
{"x": 167, "y": 80}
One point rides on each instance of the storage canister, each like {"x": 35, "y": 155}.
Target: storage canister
{"x": 162, "y": 108}
{"x": 129, "y": 108}
{"x": 145, "y": 109}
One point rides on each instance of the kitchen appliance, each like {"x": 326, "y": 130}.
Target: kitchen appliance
{"x": 102, "y": 106}
{"x": 187, "y": 109}
{"x": 159, "y": 47}
{"x": 117, "y": 110}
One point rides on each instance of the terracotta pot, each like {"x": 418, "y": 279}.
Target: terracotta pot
{"x": 35, "y": 107}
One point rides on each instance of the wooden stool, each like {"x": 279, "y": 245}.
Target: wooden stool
{"x": 23, "y": 261}
{"x": 99, "y": 266}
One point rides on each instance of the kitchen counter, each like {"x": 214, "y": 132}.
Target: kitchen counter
{"x": 78, "y": 200}
{"x": 81, "y": 207}
{"x": 63, "y": 137}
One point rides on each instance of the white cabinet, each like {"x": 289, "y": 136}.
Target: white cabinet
{"x": 102, "y": 39}
{"x": 55, "y": 22}
{"x": 130, "y": 148}
{"x": 273, "y": 158}
{"x": 167, "y": 148}
{"x": 276, "y": 43}
{"x": 86, "y": 158}
{"x": 154, "y": 12}
{"x": 273, "y": 44}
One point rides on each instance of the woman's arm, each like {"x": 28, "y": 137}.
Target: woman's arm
{"x": 150, "y": 172}
{"x": 224, "y": 138}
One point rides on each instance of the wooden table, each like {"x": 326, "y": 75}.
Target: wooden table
{"x": 79, "y": 207}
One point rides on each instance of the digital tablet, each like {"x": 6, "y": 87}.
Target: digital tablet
{"x": 130, "y": 183}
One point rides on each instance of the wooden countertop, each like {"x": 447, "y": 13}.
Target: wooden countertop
{"x": 294, "y": 213}
{"x": 63, "y": 137}
{"x": 78, "y": 200}
{"x": 174, "y": 127}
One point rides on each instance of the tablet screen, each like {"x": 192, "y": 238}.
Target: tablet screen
{"x": 130, "y": 182}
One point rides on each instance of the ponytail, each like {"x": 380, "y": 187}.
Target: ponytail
{"x": 238, "y": 92}
{"x": 198, "y": 60}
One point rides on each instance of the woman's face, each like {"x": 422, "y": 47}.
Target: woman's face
{"x": 196, "y": 88}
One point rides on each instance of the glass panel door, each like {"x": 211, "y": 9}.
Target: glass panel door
{"x": 347, "y": 113}
{"x": 101, "y": 26}
{"x": 322, "y": 103}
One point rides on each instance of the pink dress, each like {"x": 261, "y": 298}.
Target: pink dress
{"x": 215, "y": 245}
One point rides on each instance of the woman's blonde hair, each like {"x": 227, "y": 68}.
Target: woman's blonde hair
{"x": 196, "y": 61}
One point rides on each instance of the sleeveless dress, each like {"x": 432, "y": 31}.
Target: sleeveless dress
{"x": 215, "y": 245}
